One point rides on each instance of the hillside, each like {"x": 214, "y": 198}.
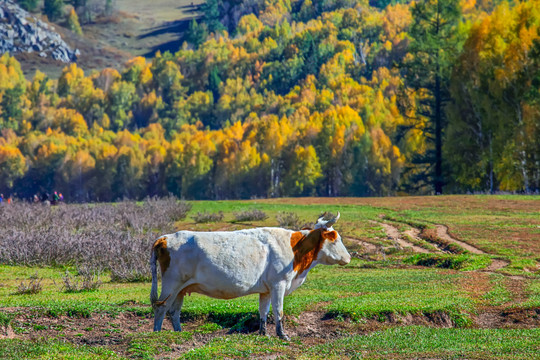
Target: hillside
{"x": 135, "y": 28}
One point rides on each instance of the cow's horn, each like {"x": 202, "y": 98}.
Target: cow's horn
{"x": 321, "y": 220}
{"x": 333, "y": 221}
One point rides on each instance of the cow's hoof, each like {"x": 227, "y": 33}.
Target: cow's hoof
{"x": 284, "y": 337}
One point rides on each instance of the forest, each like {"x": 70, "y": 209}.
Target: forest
{"x": 271, "y": 98}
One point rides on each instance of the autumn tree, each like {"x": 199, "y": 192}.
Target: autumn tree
{"x": 73, "y": 22}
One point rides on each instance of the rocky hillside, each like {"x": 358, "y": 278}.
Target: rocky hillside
{"x": 21, "y": 32}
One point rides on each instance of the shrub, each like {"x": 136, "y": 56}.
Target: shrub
{"x": 28, "y": 5}
{"x": 33, "y": 286}
{"x": 54, "y": 9}
{"x": 89, "y": 282}
{"x": 250, "y": 215}
{"x": 206, "y": 217}
{"x": 289, "y": 220}
{"x": 99, "y": 237}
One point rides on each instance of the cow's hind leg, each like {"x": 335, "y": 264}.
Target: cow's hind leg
{"x": 174, "y": 312}
{"x": 278, "y": 293}
{"x": 264, "y": 308}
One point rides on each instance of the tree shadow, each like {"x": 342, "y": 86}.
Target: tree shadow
{"x": 177, "y": 27}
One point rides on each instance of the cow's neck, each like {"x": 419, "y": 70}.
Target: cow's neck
{"x": 300, "y": 278}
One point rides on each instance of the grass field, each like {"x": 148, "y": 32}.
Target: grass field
{"x": 382, "y": 305}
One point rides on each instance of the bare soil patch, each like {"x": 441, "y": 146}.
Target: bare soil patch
{"x": 311, "y": 327}
{"x": 476, "y": 283}
{"x": 511, "y": 318}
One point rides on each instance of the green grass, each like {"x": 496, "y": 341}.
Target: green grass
{"x": 401, "y": 284}
{"x": 353, "y": 291}
{"x": 433, "y": 343}
{"x": 393, "y": 343}
{"x": 148, "y": 345}
{"x": 499, "y": 293}
{"x": 237, "y": 346}
{"x": 465, "y": 262}
{"x": 51, "y": 349}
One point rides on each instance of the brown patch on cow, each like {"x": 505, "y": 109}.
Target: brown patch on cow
{"x": 163, "y": 256}
{"x": 307, "y": 247}
{"x": 329, "y": 235}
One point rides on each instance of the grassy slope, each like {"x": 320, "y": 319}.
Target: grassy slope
{"x": 363, "y": 289}
{"x": 139, "y": 28}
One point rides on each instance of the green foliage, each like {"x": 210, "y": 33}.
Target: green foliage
{"x": 28, "y": 5}
{"x": 197, "y": 33}
{"x": 54, "y": 9}
{"x": 212, "y": 16}
{"x": 435, "y": 40}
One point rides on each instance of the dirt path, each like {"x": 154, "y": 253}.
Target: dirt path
{"x": 393, "y": 233}
{"x": 442, "y": 232}
{"x": 369, "y": 247}
{"x": 496, "y": 264}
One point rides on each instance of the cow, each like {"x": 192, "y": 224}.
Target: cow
{"x": 271, "y": 262}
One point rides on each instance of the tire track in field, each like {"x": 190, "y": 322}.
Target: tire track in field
{"x": 369, "y": 247}
{"x": 393, "y": 234}
{"x": 496, "y": 264}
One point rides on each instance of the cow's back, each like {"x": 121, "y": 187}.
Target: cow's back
{"x": 229, "y": 264}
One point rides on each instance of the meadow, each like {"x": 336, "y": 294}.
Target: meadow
{"x": 415, "y": 289}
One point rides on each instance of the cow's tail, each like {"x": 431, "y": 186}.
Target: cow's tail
{"x": 153, "y": 269}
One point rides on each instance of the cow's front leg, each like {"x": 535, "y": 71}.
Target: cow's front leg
{"x": 278, "y": 293}
{"x": 175, "y": 311}
{"x": 264, "y": 308}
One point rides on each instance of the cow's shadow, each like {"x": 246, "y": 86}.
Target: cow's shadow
{"x": 243, "y": 322}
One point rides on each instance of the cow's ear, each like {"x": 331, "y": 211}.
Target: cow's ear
{"x": 330, "y": 235}
{"x": 307, "y": 228}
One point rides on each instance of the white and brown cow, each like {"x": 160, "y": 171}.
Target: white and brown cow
{"x": 271, "y": 262}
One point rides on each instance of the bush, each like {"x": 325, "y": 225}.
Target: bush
{"x": 90, "y": 281}
{"x": 206, "y": 217}
{"x": 100, "y": 237}
{"x": 31, "y": 287}
{"x": 250, "y": 215}
{"x": 289, "y": 220}
{"x": 28, "y": 5}
{"x": 54, "y": 9}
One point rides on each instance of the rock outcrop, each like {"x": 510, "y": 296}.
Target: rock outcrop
{"x": 20, "y": 31}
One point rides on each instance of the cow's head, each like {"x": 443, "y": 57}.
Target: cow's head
{"x": 333, "y": 251}
{"x": 321, "y": 245}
